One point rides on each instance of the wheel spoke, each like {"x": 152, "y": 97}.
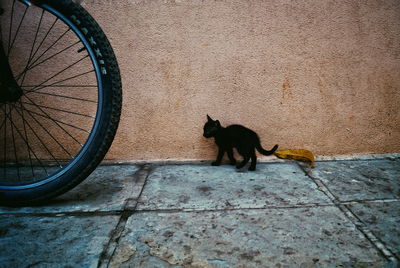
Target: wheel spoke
{"x": 61, "y": 96}
{"x": 5, "y": 140}
{"x": 11, "y": 26}
{"x": 39, "y": 161}
{"x": 32, "y": 47}
{"x": 34, "y": 41}
{"x": 28, "y": 68}
{"x": 4, "y": 120}
{"x": 61, "y": 86}
{"x": 63, "y": 70}
{"x": 44, "y": 38}
{"x": 55, "y": 121}
{"x": 59, "y": 110}
{"x": 27, "y": 141}
{"x": 16, "y": 34}
{"x": 11, "y": 109}
{"x": 41, "y": 141}
{"x": 42, "y": 85}
{"x": 15, "y": 148}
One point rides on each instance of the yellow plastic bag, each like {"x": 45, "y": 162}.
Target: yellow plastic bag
{"x": 297, "y": 154}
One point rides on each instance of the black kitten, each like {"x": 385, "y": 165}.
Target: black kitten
{"x": 235, "y": 136}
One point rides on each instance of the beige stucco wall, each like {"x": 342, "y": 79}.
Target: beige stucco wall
{"x": 322, "y": 75}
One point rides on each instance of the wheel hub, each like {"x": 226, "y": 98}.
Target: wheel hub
{"x": 10, "y": 93}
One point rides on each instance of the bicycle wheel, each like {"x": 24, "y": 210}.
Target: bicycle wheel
{"x": 60, "y": 128}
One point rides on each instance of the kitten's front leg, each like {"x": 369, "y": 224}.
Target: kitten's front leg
{"x": 219, "y": 157}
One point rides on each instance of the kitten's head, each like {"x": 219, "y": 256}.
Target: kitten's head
{"x": 211, "y": 127}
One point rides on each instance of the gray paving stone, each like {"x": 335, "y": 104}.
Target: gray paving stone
{"x": 214, "y": 217}
{"x": 360, "y": 180}
{"x": 205, "y": 187}
{"x": 106, "y": 189}
{"x": 53, "y": 241}
{"x": 383, "y": 219}
{"x": 284, "y": 237}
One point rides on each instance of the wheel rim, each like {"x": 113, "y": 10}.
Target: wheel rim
{"x": 49, "y": 129}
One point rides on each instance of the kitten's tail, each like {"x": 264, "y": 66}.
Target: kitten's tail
{"x": 265, "y": 152}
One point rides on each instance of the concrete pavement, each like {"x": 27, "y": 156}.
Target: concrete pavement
{"x": 340, "y": 214}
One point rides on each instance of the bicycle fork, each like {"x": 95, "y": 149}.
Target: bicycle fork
{"x": 9, "y": 89}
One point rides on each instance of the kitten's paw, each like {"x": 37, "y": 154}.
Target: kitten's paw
{"x": 252, "y": 168}
{"x": 215, "y": 163}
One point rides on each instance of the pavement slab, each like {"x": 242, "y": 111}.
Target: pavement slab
{"x": 360, "y": 180}
{"x": 383, "y": 219}
{"x": 340, "y": 214}
{"x": 106, "y": 189}
{"x": 72, "y": 241}
{"x": 280, "y": 237}
{"x": 200, "y": 187}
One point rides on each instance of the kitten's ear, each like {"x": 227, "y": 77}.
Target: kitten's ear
{"x": 209, "y": 118}
{"x": 217, "y": 123}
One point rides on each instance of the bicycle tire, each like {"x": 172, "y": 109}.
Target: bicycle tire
{"x": 107, "y": 120}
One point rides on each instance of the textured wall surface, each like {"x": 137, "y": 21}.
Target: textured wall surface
{"x": 321, "y": 75}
